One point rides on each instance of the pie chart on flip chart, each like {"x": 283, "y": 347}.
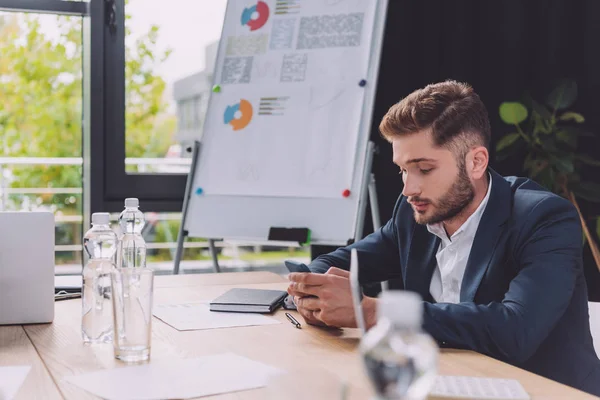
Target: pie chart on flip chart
{"x": 262, "y": 10}
{"x": 238, "y": 115}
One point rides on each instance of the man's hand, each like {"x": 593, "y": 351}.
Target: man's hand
{"x": 324, "y": 299}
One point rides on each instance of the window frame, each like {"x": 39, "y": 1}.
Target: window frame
{"x": 157, "y": 192}
{"x": 74, "y": 8}
{"x": 92, "y": 20}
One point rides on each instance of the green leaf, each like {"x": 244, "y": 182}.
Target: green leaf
{"x": 547, "y": 178}
{"x": 589, "y": 191}
{"x": 563, "y": 95}
{"x": 541, "y": 110}
{"x": 513, "y": 113}
{"x": 549, "y": 145}
{"x": 564, "y": 164}
{"x": 584, "y": 158}
{"x": 572, "y": 116}
{"x": 507, "y": 141}
{"x": 565, "y": 137}
{"x": 511, "y": 151}
{"x": 541, "y": 125}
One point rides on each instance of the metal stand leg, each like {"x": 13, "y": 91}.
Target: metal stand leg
{"x": 186, "y": 201}
{"x": 375, "y": 214}
{"x": 369, "y": 194}
{"x": 374, "y": 203}
{"x": 362, "y": 208}
{"x": 213, "y": 254}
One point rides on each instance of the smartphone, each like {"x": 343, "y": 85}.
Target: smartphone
{"x": 294, "y": 266}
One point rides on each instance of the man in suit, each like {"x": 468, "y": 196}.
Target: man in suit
{"x": 497, "y": 261}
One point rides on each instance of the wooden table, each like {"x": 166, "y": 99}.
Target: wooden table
{"x": 56, "y": 350}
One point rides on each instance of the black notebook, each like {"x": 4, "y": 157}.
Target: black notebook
{"x": 248, "y": 300}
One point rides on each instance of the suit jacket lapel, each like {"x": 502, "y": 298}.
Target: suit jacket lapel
{"x": 488, "y": 232}
{"x": 421, "y": 261}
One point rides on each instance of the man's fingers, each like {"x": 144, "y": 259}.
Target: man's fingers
{"x": 309, "y": 316}
{"x": 339, "y": 272}
{"x": 302, "y": 289}
{"x": 309, "y": 303}
{"x": 305, "y": 313}
{"x": 308, "y": 278}
{"x": 295, "y": 292}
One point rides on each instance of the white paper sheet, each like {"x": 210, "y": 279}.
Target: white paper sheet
{"x": 177, "y": 379}
{"x": 466, "y": 387}
{"x": 197, "y": 316}
{"x": 11, "y": 379}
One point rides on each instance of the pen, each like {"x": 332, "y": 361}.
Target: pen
{"x": 293, "y": 320}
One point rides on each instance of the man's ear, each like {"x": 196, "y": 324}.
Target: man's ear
{"x": 477, "y": 162}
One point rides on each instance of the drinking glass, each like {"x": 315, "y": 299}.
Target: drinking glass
{"x": 132, "y": 290}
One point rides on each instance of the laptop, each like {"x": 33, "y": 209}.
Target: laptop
{"x": 26, "y": 267}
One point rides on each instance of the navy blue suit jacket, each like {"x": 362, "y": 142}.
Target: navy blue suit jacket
{"x": 523, "y": 298}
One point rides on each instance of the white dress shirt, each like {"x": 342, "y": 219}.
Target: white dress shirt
{"x": 453, "y": 254}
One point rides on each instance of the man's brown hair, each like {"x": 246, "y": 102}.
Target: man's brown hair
{"x": 452, "y": 110}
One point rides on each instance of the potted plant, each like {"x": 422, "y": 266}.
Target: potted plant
{"x": 549, "y": 135}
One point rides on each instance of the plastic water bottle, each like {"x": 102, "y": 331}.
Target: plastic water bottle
{"x": 400, "y": 359}
{"x": 100, "y": 244}
{"x": 132, "y": 247}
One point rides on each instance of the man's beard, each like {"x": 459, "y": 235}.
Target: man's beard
{"x": 452, "y": 203}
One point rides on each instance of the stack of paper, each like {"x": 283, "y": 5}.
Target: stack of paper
{"x": 177, "y": 379}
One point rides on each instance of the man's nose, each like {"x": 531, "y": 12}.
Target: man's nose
{"x": 411, "y": 187}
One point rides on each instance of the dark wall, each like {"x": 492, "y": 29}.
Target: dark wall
{"x": 501, "y": 48}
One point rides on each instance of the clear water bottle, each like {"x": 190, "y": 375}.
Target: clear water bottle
{"x": 132, "y": 247}
{"x": 100, "y": 244}
{"x": 400, "y": 359}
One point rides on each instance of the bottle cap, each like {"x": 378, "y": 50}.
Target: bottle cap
{"x": 132, "y": 202}
{"x": 100, "y": 218}
{"x": 401, "y": 308}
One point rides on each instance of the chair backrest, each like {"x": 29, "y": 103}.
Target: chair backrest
{"x": 595, "y": 324}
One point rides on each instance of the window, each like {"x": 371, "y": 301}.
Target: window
{"x": 198, "y": 114}
{"x": 41, "y": 113}
{"x": 168, "y": 55}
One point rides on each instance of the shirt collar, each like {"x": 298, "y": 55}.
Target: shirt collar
{"x": 469, "y": 226}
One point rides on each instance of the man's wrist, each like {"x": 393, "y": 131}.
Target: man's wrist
{"x": 369, "y": 305}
